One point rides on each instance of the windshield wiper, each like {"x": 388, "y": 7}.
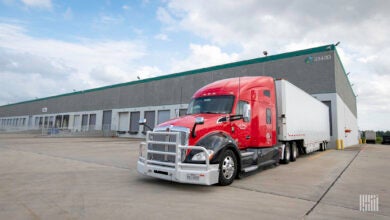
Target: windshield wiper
{"x": 208, "y": 112}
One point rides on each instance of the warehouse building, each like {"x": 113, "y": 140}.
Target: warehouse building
{"x": 116, "y": 109}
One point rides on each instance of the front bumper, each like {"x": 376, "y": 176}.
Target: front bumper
{"x": 193, "y": 175}
{"x": 203, "y": 174}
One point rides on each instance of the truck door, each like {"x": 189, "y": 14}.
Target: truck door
{"x": 270, "y": 117}
{"x": 268, "y": 125}
{"x": 262, "y": 123}
{"x": 241, "y": 129}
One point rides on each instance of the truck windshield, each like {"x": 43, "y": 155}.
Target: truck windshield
{"x": 211, "y": 105}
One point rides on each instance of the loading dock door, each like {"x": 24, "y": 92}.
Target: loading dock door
{"x": 84, "y": 122}
{"x": 76, "y": 123}
{"x": 163, "y": 116}
{"x": 182, "y": 112}
{"x": 106, "y": 120}
{"x": 150, "y": 119}
{"x": 123, "y": 121}
{"x": 329, "y": 104}
{"x": 30, "y": 120}
{"x": 134, "y": 119}
{"x": 92, "y": 121}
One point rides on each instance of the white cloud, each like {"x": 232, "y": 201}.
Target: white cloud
{"x": 165, "y": 17}
{"x": 145, "y": 72}
{"x": 259, "y": 24}
{"x": 203, "y": 56}
{"x": 68, "y": 14}
{"x": 25, "y": 63}
{"x": 162, "y": 37}
{"x": 38, "y": 3}
{"x": 41, "y": 67}
{"x": 373, "y": 99}
{"x": 252, "y": 26}
{"x": 108, "y": 20}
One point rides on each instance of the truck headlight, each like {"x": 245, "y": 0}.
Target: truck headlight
{"x": 201, "y": 156}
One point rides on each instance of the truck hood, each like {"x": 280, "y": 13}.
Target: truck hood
{"x": 210, "y": 120}
{"x": 211, "y": 124}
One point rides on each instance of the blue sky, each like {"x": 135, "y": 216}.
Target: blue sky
{"x": 78, "y": 21}
{"x": 50, "y": 47}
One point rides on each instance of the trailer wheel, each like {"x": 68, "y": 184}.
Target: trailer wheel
{"x": 325, "y": 145}
{"x": 287, "y": 154}
{"x": 227, "y": 168}
{"x": 294, "y": 152}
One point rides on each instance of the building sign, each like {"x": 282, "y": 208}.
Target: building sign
{"x": 313, "y": 59}
{"x": 44, "y": 109}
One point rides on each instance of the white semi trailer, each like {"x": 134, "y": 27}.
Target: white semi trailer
{"x": 370, "y": 137}
{"x": 302, "y": 118}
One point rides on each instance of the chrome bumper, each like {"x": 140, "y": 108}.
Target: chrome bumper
{"x": 204, "y": 174}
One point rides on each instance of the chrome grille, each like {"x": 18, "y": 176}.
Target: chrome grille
{"x": 182, "y": 130}
{"x": 160, "y": 142}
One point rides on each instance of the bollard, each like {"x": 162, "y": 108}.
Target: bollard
{"x": 338, "y": 145}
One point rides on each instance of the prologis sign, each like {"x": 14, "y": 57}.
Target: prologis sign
{"x": 313, "y": 59}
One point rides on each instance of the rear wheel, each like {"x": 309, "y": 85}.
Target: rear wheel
{"x": 227, "y": 168}
{"x": 287, "y": 154}
{"x": 294, "y": 151}
{"x": 325, "y": 145}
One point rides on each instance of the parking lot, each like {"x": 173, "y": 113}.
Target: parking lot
{"x": 96, "y": 178}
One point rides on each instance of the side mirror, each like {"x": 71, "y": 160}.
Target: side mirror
{"x": 199, "y": 120}
{"x": 142, "y": 121}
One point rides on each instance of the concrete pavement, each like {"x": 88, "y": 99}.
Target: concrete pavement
{"x": 96, "y": 178}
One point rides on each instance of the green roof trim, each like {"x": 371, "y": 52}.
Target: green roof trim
{"x": 286, "y": 55}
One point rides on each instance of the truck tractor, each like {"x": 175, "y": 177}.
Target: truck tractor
{"x": 235, "y": 126}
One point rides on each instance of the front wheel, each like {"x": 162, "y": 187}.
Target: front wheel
{"x": 227, "y": 168}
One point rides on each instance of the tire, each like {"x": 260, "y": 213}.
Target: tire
{"x": 322, "y": 147}
{"x": 325, "y": 145}
{"x": 287, "y": 154}
{"x": 294, "y": 152}
{"x": 227, "y": 168}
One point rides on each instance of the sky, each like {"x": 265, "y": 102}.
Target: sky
{"x": 50, "y": 47}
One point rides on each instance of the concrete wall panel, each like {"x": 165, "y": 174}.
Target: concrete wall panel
{"x": 313, "y": 77}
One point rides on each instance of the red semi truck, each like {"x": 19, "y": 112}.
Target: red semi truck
{"x": 235, "y": 126}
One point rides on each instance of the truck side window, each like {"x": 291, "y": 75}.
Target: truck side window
{"x": 267, "y": 93}
{"x": 268, "y": 116}
{"x": 244, "y": 109}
